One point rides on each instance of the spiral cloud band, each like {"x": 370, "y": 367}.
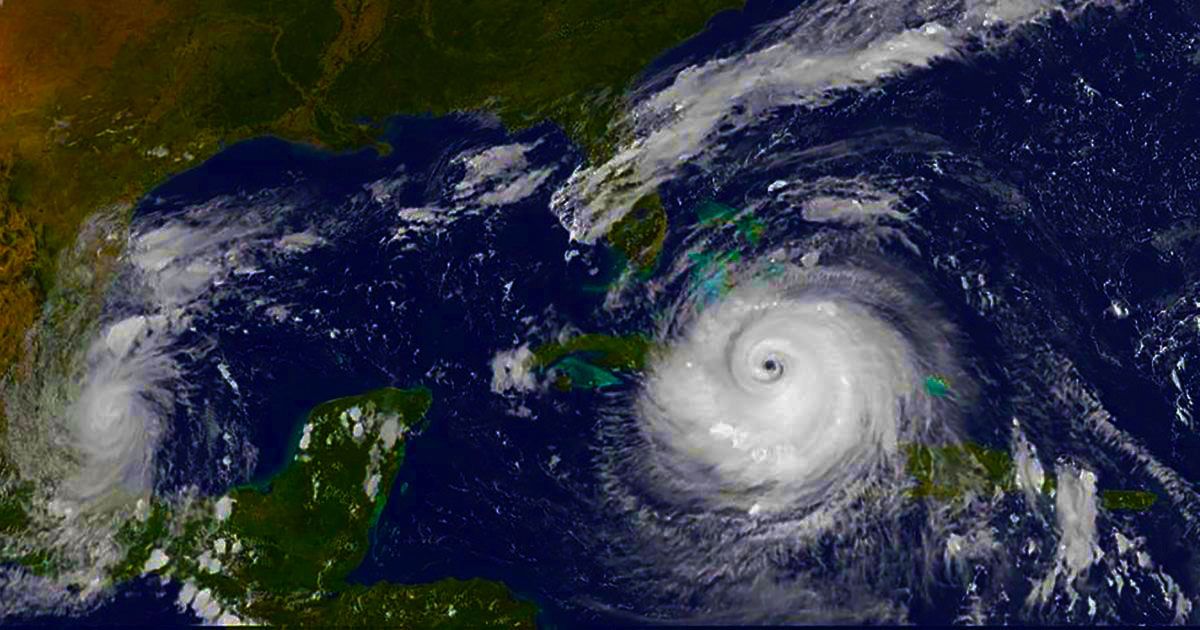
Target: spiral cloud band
{"x": 795, "y": 386}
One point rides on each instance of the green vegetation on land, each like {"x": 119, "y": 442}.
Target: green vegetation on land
{"x": 309, "y": 528}
{"x": 626, "y": 352}
{"x": 14, "y": 507}
{"x": 640, "y": 234}
{"x": 100, "y": 101}
{"x": 15, "y": 521}
{"x": 280, "y": 553}
{"x": 1129, "y": 500}
{"x": 589, "y": 361}
{"x": 573, "y": 373}
{"x": 946, "y": 472}
{"x": 139, "y": 538}
{"x": 448, "y": 603}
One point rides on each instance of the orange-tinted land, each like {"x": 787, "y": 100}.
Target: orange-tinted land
{"x": 100, "y": 100}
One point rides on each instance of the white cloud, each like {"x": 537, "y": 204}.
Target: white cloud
{"x": 818, "y": 49}
{"x": 132, "y": 377}
{"x": 499, "y": 176}
{"x": 511, "y": 370}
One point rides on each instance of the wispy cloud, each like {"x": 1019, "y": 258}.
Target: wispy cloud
{"x": 799, "y": 60}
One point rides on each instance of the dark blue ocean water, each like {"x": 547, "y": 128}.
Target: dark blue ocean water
{"x": 1059, "y": 161}
{"x": 433, "y": 317}
{"x": 143, "y": 602}
{"x": 395, "y": 309}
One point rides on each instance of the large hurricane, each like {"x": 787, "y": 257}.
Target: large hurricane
{"x": 797, "y": 385}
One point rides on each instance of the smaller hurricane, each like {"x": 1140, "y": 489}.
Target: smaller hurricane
{"x": 117, "y": 417}
{"x": 132, "y": 379}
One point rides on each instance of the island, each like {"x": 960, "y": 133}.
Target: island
{"x": 591, "y": 360}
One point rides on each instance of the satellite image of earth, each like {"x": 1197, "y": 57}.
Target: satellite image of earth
{"x": 595, "y": 313}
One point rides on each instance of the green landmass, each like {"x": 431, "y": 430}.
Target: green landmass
{"x": 100, "y": 101}
{"x": 627, "y": 352}
{"x": 640, "y": 234}
{"x": 1127, "y": 500}
{"x": 947, "y": 472}
{"x": 15, "y": 520}
{"x": 309, "y": 527}
{"x": 574, "y": 373}
{"x": 445, "y": 604}
{"x": 139, "y": 537}
{"x": 951, "y": 471}
{"x": 590, "y": 361}
{"x": 14, "y": 507}
{"x": 40, "y": 562}
{"x": 280, "y": 552}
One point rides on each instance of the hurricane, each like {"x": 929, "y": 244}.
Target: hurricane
{"x": 867, "y": 313}
{"x": 771, "y": 424}
{"x": 797, "y": 383}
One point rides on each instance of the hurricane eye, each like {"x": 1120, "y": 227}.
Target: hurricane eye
{"x": 769, "y": 370}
